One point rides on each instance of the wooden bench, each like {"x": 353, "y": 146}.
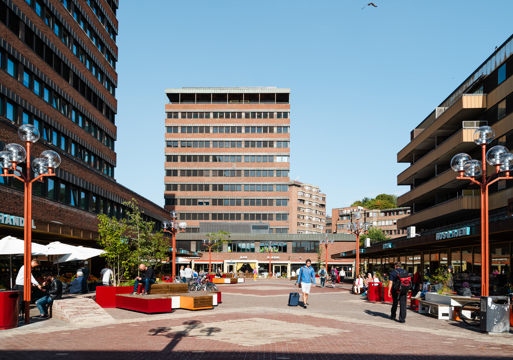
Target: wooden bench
{"x": 168, "y": 288}
{"x": 158, "y": 303}
{"x": 443, "y": 311}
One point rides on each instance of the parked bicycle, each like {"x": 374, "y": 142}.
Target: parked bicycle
{"x": 202, "y": 284}
{"x": 471, "y": 313}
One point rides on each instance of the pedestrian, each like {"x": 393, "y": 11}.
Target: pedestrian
{"x": 342, "y": 275}
{"x": 417, "y": 284}
{"x": 194, "y": 274}
{"x": 400, "y": 281}
{"x": 20, "y": 281}
{"x": 322, "y": 275}
{"x": 450, "y": 278}
{"x": 85, "y": 269}
{"x": 465, "y": 290}
{"x": 219, "y": 273}
{"x": 147, "y": 278}
{"x": 358, "y": 284}
{"x": 182, "y": 274}
{"x": 79, "y": 284}
{"x": 255, "y": 273}
{"x": 53, "y": 289}
{"x": 305, "y": 278}
{"x": 334, "y": 276}
{"x": 106, "y": 275}
{"x": 188, "y": 274}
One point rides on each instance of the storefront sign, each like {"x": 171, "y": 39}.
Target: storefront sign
{"x": 388, "y": 246}
{"x": 453, "y": 233}
{"x": 274, "y": 257}
{"x": 12, "y": 220}
{"x": 243, "y": 257}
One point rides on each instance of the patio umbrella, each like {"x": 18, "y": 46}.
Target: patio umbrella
{"x": 81, "y": 253}
{"x": 58, "y": 248}
{"x": 12, "y": 246}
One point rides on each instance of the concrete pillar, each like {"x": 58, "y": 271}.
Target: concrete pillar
{"x": 288, "y": 270}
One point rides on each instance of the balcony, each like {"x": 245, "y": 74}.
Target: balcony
{"x": 467, "y": 107}
{"x": 468, "y": 201}
{"x": 461, "y": 141}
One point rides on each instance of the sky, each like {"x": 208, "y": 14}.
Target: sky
{"x": 360, "y": 80}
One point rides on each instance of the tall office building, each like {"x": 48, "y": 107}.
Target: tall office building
{"x": 308, "y": 208}
{"x": 58, "y": 72}
{"x": 227, "y": 155}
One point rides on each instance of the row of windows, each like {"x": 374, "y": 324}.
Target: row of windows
{"x": 99, "y": 14}
{"x": 226, "y": 187}
{"x": 228, "y": 144}
{"x": 227, "y": 202}
{"x": 54, "y": 137}
{"x": 227, "y": 129}
{"x": 228, "y": 173}
{"x": 227, "y": 115}
{"x": 232, "y": 217}
{"x": 40, "y": 48}
{"x": 226, "y": 158}
{"x": 35, "y": 84}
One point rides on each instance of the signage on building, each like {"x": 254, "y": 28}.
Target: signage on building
{"x": 12, "y": 220}
{"x": 274, "y": 257}
{"x": 465, "y": 231}
{"x": 388, "y": 246}
{"x": 243, "y": 257}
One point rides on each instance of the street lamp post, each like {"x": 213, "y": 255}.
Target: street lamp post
{"x": 210, "y": 244}
{"x": 326, "y": 242}
{"x": 357, "y": 229}
{"x": 13, "y": 155}
{"x": 173, "y": 228}
{"x": 468, "y": 169}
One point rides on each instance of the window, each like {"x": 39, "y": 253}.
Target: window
{"x": 502, "y": 74}
{"x": 501, "y": 109}
{"x": 51, "y": 189}
{"x": 26, "y": 79}
{"x": 46, "y": 96}
{"x": 62, "y": 193}
{"x": 10, "y": 112}
{"x": 37, "y": 87}
{"x": 11, "y": 68}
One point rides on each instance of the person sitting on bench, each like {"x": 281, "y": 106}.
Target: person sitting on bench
{"x": 79, "y": 284}
{"x": 147, "y": 278}
{"x": 53, "y": 289}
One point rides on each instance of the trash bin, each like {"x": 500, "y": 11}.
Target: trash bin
{"x": 374, "y": 292}
{"x": 495, "y": 314}
{"x": 9, "y": 309}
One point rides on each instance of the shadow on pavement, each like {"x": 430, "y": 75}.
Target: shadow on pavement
{"x": 378, "y": 314}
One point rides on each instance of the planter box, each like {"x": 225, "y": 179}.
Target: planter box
{"x": 437, "y": 298}
{"x": 374, "y": 292}
{"x": 106, "y": 295}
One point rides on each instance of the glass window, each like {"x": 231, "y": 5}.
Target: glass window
{"x": 37, "y": 87}
{"x": 83, "y": 200}
{"x": 62, "y": 193}
{"x": 501, "y": 109}
{"x": 46, "y": 95}
{"x": 26, "y": 79}
{"x": 10, "y": 111}
{"x": 51, "y": 189}
{"x": 25, "y": 118}
{"x": 502, "y": 74}
{"x": 11, "y": 68}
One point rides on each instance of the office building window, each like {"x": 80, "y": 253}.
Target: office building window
{"x": 10, "y": 111}
{"x": 11, "y": 68}
{"x": 501, "y": 109}
{"x": 502, "y": 74}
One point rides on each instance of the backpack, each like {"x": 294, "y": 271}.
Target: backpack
{"x": 333, "y": 272}
{"x": 402, "y": 283}
{"x": 323, "y": 272}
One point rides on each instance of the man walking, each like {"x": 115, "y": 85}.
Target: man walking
{"x": 182, "y": 274}
{"x": 188, "y": 274}
{"x": 305, "y": 278}
{"x": 342, "y": 275}
{"x": 397, "y": 293}
{"x": 147, "y": 278}
{"x": 322, "y": 275}
{"x": 334, "y": 276}
{"x": 53, "y": 288}
{"x": 106, "y": 275}
{"x": 20, "y": 280}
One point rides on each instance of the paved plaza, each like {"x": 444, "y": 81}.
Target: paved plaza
{"x": 254, "y": 322}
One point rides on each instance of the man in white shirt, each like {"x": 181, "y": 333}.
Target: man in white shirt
{"x": 188, "y": 274}
{"x": 182, "y": 274}
{"x": 106, "y": 275}
{"x": 20, "y": 281}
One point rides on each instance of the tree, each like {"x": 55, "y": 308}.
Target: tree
{"x": 375, "y": 234}
{"x": 319, "y": 257}
{"x": 382, "y": 201}
{"x": 220, "y": 238}
{"x": 117, "y": 248}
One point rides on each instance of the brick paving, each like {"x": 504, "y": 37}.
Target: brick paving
{"x": 252, "y": 325}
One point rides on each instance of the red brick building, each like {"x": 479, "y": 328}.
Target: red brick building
{"x": 58, "y": 72}
{"x": 227, "y": 155}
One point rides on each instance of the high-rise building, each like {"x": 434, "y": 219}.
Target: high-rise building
{"x": 58, "y": 72}
{"x": 308, "y": 208}
{"x": 385, "y": 219}
{"x": 227, "y": 155}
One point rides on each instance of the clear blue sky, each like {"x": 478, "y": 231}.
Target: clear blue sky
{"x": 360, "y": 80}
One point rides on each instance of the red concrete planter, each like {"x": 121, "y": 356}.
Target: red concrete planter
{"x": 9, "y": 308}
{"x": 142, "y": 304}
{"x": 374, "y": 293}
{"x": 386, "y": 298}
{"x": 106, "y": 295}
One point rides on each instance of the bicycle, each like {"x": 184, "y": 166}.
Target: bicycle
{"x": 471, "y": 313}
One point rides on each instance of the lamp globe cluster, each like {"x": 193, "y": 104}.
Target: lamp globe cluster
{"x": 13, "y": 154}
{"x": 498, "y": 156}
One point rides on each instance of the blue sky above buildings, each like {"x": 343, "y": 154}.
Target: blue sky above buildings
{"x": 360, "y": 80}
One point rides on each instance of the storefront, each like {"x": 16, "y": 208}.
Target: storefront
{"x": 459, "y": 246}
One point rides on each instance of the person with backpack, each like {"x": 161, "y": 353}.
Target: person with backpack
{"x": 334, "y": 276}
{"x": 322, "y": 275}
{"x": 398, "y": 286}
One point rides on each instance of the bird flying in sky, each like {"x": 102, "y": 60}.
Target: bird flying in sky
{"x": 369, "y": 4}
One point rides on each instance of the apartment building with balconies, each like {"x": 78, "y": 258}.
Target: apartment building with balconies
{"x": 227, "y": 155}
{"x": 384, "y": 219}
{"x": 436, "y": 198}
{"x": 308, "y": 208}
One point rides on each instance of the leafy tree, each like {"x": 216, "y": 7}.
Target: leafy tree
{"x": 221, "y": 237}
{"x": 112, "y": 239}
{"x": 319, "y": 257}
{"x": 382, "y": 201}
{"x": 375, "y": 234}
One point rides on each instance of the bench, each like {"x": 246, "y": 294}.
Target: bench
{"x": 225, "y": 280}
{"x": 159, "y": 303}
{"x": 443, "y": 311}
